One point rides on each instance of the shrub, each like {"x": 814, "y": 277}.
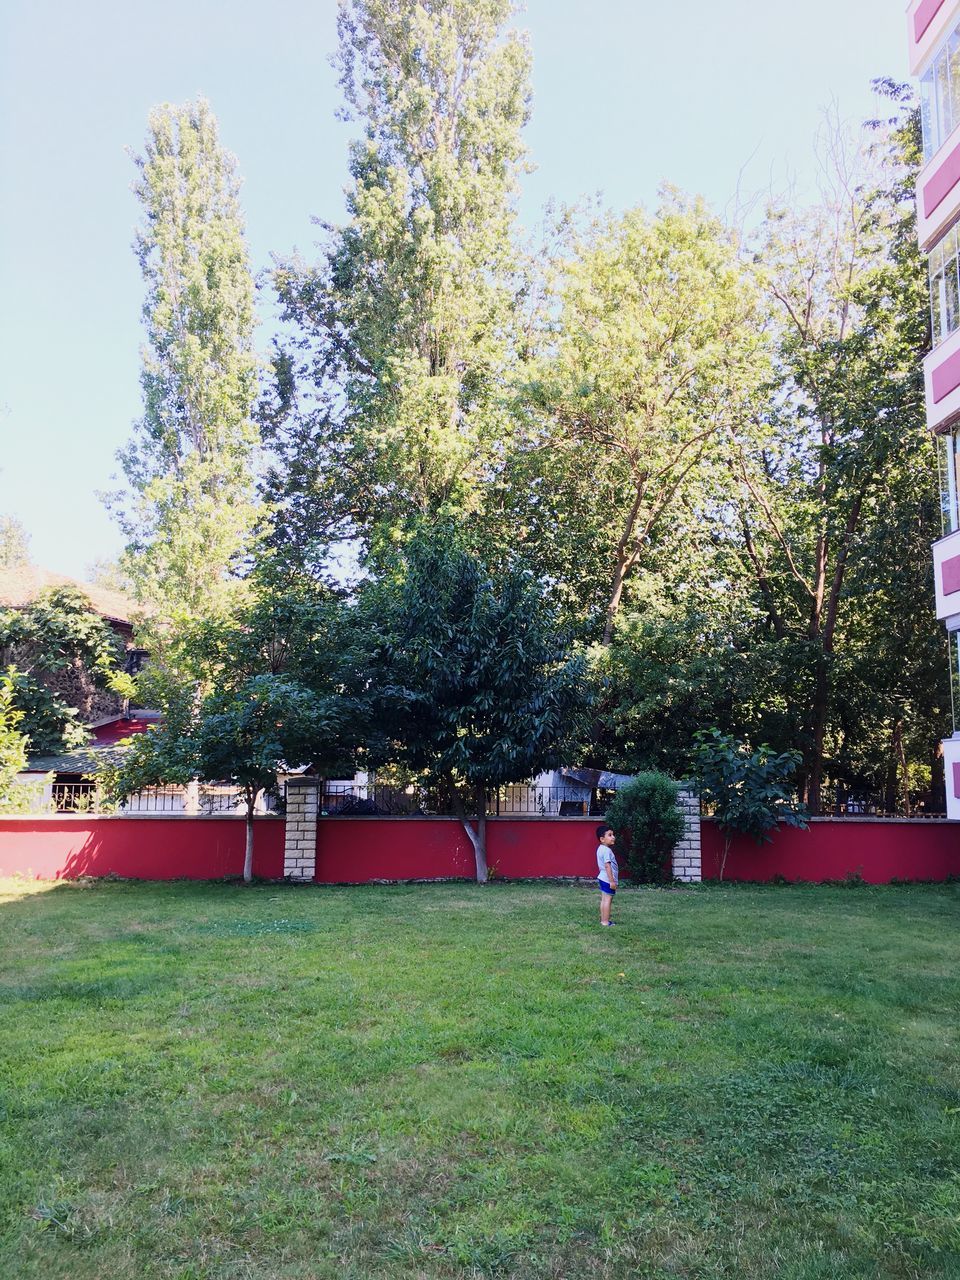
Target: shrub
{"x": 648, "y": 823}
{"x": 749, "y": 791}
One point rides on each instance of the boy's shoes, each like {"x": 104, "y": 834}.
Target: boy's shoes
{"x": 607, "y": 924}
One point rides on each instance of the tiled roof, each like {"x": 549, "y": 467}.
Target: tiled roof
{"x": 22, "y": 584}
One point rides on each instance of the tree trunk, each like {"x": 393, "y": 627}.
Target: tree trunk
{"x": 478, "y": 837}
{"x": 727, "y": 841}
{"x": 624, "y": 562}
{"x": 818, "y": 730}
{"x": 252, "y": 797}
{"x": 902, "y": 758}
{"x": 890, "y": 781}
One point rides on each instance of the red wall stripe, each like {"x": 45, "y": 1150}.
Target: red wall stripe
{"x": 925, "y": 14}
{"x": 405, "y": 848}
{"x": 941, "y": 183}
{"x": 876, "y": 851}
{"x": 950, "y": 575}
{"x": 946, "y": 378}
{"x": 138, "y": 848}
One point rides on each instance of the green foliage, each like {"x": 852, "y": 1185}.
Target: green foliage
{"x": 275, "y": 684}
{"x": 390, "y": 402}
{"x": 657, "y": 352}
{"x": 749, "y": 792}
{"x": 14, "y": 543}
{"x": 13, "y": 743}
{"x": 648, "y": 822}
{"x": 55, "y": 647}
{"x": 832, "y": 505}
{"x": 477, "y": 686}
{"x": 190, "y": 514}
{"x": 243, "y": 734}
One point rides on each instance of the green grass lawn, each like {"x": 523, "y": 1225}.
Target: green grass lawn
{"x": 438, "y": 1081}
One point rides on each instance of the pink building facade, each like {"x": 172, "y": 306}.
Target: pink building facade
{"x": 933, "y": 33}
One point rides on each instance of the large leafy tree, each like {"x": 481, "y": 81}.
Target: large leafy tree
{"x": 278, "y": 682}
{"x": 476, "y": 686}
{"x": 656, "y": 352}
{"x": 190, "y": 510}
{"x": 390, "y": 403}
{"x": 244, "y": 733}
{"x": 832, "y": 505}
{"x": 61, "y": 655}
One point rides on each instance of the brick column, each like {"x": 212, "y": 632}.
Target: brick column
{"x": 686, "y": 856}
{"x": 300, "y": 834}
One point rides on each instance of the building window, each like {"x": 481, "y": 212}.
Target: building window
{"x": 944, "y": 267}
{"x": 954, "y": 639}
{"x": 948, "y": 446}
{"x": 940, "y": 96}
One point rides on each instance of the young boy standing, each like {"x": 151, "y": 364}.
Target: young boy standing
{"x": 608, "y": 873}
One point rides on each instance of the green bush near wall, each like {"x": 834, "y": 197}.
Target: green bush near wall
{"x": 649, "y": 823}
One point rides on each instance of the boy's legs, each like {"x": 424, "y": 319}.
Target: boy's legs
{"x": 605, "y": 900}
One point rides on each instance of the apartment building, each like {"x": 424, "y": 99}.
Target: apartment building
{"x": 934, "y": 42}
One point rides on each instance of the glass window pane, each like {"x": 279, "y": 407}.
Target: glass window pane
{"x": 937, "y": 295}
{"x": 941, "y": 72}
{"x": 951, "y": 298}
{"x": 944, "y": 447}
{"x": 935, "y": 325}
{"x": 953, "y": 59}
{"x": 928, "y": 114}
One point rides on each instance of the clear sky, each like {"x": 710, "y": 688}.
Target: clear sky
{"x": 627, "y": 94}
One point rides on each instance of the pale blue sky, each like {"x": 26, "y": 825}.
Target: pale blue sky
{"x": 625, "y": 98}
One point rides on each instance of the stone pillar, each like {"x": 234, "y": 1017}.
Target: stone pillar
{"x": 686, "y": 856}
{"x": 300, "y": 835}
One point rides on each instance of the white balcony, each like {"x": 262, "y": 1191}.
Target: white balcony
{"x": 951, "y": 768}
{"x": 938, "y": 193}
{"x": 941, "y": 383}
{"x": 928, "y": 21}
{"x": 946, "y": 574}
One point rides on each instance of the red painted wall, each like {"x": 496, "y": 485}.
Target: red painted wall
{"x": 361, "y": 849}
{"x": 141, "y": 848}
{"x": 878, "y": 851}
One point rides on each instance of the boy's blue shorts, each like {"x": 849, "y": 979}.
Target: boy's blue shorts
{"x": 606, "y": 888}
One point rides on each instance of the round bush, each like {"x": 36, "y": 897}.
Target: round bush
{"x": 648, "y": 823}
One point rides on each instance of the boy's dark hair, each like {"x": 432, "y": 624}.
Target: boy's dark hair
{"x": 603, "y": 828}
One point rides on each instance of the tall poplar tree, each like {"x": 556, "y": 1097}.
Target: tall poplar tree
{"x": 390, "y": 402}
{"x": 191, "y": 508}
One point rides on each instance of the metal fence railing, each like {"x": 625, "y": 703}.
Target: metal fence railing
{"x": 199, "y": 800}
{"x": 364, "y": 800}
{"x": 350, "y": 799}
{"x": 836, "y": 802}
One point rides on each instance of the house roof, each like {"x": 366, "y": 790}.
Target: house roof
{"x": 108, "y": 732}
{"x": 21, "y": 584}
{"x": 598, "y": 778}
{"x": 85, "y": 760}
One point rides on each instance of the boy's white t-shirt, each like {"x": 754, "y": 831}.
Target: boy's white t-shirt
{"x": 605, "y": 856}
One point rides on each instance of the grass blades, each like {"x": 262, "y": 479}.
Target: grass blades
{"x": 205, "y": 1081}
